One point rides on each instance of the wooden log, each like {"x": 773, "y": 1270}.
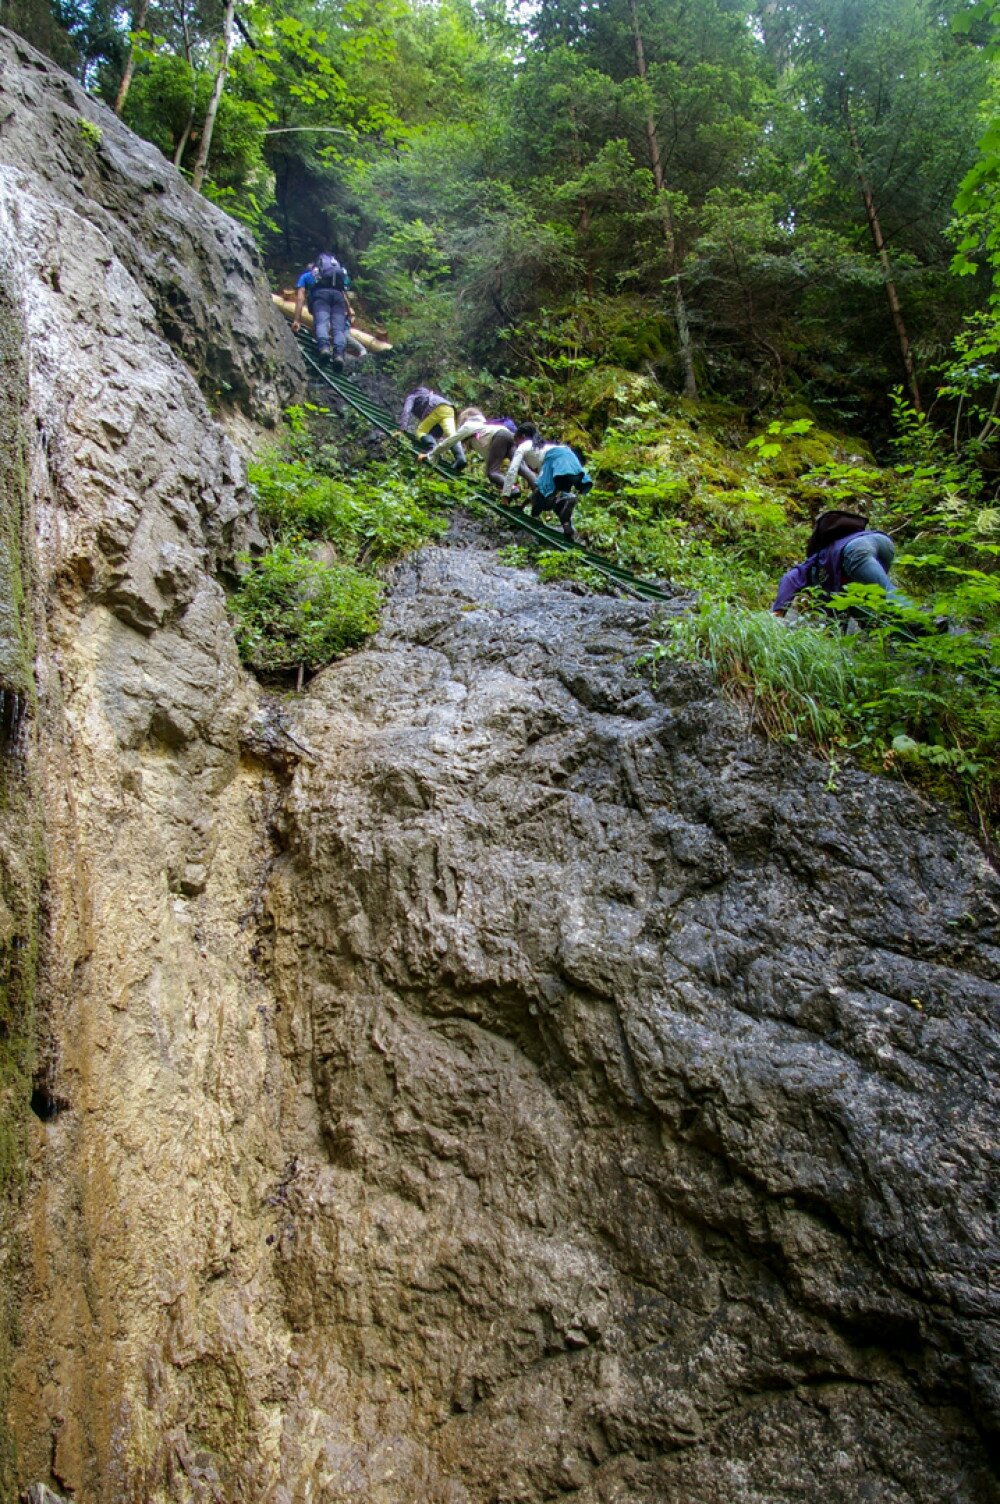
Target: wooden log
{"x": 370, "y": 342}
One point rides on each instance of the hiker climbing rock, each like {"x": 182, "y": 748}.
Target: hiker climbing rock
{"x": 842, "y": 550}
{"x": 561, "y": 476}
{"x": 429, "y": 416}
{"x": 527, "y": 454}
{"x": 473, "y": 426}
{"x": 323, "y": 286}
{"x": 499, "y": 455}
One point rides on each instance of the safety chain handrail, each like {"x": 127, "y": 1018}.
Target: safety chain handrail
{"x": 376, "y": 414}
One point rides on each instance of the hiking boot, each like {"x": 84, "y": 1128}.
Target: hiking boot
{"x": 568, "y": 533}
{"x": 337, "y": 362}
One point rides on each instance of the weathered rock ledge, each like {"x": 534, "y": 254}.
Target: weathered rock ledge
{"x": 199, "y": 269}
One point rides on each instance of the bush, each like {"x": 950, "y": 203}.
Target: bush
{"x": 558, "y": 564}
{"x": 899, "y": 699}
{"x": 292, "y": 612}
{"x": 371, "y": 518}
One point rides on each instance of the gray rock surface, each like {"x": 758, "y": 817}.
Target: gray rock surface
{"x": 133, "y": 500}
{"x": 199, "y": 269}
{"x": 139, "y": 498}
{"x": 657, "y": 1079}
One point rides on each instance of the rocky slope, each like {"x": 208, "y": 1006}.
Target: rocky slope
{"x": 199, "y": 271}
{"x": 651, "y": 1076}
{"x": 539, "y": 1087}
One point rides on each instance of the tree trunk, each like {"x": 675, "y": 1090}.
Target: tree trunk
{"x": 888, "y": 278}
{"x": 205, "y": 144}
{"x": 181, "y": 147}
{"x": 138, "y": 24}
{"x": 185, "y": 138}
{"x": 666, "y": 219}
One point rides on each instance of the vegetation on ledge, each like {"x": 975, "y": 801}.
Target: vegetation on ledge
{"x": 315, "y": 593}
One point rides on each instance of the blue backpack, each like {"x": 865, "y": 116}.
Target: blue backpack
{"x": 328, "y": 272}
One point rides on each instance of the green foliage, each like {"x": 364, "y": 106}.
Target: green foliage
{"x": 477, "y": 165}
{"x": 373, "y": 517}
{"x": 795, "y": 682}
{"x": 293, "y": 611}
{"x": 771, "y": 444}
{"x": 91, "y": 132}
{"x": 926, "y": 707}
{"x": 516, "y": 555}
{"x": 314, "y": 594}
{"x": 557, "y": 564}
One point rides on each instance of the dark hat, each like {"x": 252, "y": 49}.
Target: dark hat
{"x": 831, "y": 526}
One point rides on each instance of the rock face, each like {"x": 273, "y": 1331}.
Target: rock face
{"x": 651, "y": 1076}
{"x": 121, "y": 500}
{"x": 197, "y": 267}
{"x": 539, "y": 1086}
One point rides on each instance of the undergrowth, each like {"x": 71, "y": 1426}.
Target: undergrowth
{"x": 293, "y": 611}
{"x": 315, "y": 592}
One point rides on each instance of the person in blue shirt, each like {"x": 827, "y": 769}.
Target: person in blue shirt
{"x": 561, "y": 477}
{"x": 324, "y": 285}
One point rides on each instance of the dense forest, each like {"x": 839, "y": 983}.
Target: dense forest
{"x": 744, "y": 254}
{"x": 754, "y": 201}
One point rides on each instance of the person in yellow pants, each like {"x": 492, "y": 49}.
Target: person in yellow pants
{"x": 429, "y": 416}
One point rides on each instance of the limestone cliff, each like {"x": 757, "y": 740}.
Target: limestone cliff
{"x": 544, "y": 1088}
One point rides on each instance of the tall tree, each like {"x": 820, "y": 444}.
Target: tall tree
{"x": 882, "y": 251}
{"x": 685, "y": 81}
{"x": 666, "y": 214}
{"x": 885, "y": 95}
{"x": 138, "y": 23}
{"x": 208, "y": 128}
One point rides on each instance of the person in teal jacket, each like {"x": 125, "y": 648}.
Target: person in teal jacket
{"x": 562, "y": 479}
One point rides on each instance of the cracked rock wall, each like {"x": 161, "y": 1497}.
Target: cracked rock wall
{"x": 155, "y": 1142}
{"x": 655, "y": 1081}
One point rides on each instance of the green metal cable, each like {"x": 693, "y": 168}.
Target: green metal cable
{"x": 376, "y": 414}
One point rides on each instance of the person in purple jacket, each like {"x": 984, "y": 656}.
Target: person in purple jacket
{"x": 842, "y": 550}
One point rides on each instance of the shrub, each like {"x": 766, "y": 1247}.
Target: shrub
{"x": 371, "y": 518}
{"x": 292, "y": 612}
{"x": 558, "y": 564}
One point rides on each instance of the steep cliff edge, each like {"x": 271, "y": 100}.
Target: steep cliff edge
{"x": 547, "y": 1088}
{"x": 198, "y": 268}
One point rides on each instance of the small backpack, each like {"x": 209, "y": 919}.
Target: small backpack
{"x": 423, "y": 400}
{"x": 328, "y": 272}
